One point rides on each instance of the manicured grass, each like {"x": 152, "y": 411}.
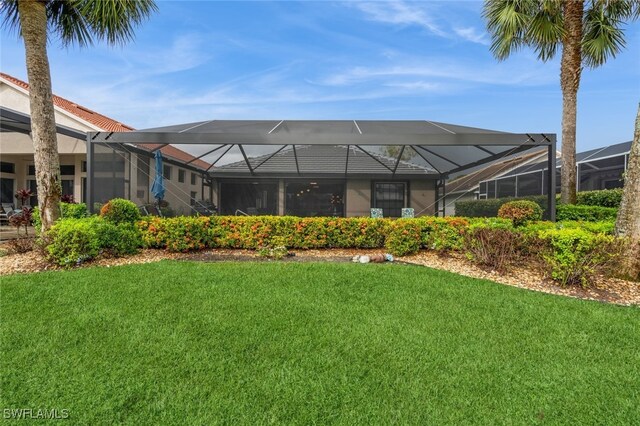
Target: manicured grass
{"x": 247, "y": 343}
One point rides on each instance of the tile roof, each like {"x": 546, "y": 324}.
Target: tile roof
{"x": 324, "y": 160}
{"x": 95, "y": 118}
{"x": 108, "y": 124}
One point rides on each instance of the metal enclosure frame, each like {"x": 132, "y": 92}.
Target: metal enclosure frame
{"x": 431, "y": 141}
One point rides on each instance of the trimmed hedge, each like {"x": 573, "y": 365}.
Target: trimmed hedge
{"x": 491, "y": 206}
{"x": 74, "y": 241}
{"x": 570, "y": 251}
{"x": 585, "y": 213}
{"x": 603, "y": 198}
{"x": 400, "y": 236}
{"x": 575, "y": 256}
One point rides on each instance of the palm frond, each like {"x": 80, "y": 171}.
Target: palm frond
{"x": 546, "y": 28}
{"x": 603, "y": 35}
{"x": 10, "y": 16}
{"x": 506, "y": 22}
{"x": 68, "y": 23}
{"x": 115, "y": 20}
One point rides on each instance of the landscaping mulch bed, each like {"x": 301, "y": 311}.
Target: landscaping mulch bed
{"x": 603, "y": 289}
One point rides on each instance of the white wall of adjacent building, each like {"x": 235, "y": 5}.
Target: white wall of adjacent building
{"x": 16, "y": 155}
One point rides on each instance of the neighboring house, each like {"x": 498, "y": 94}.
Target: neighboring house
{"x": 467, "y": 187}
{"x": 600, "y": 168}
{"x": 183, "y": 172}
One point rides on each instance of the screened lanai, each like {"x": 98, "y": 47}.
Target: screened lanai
{"x": 314, "y": 167}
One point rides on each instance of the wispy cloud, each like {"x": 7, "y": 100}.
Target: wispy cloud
{"x": 440, "y": 69}
{"x": 399, "y": 13}
{"x": 424, "y": 15}
{"x": 472, "y": 34}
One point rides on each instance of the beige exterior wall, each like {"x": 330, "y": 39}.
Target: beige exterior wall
{"x": 358, "y": 198}
{"x": 21, "y": 177}
{"x": 423, "y": 196}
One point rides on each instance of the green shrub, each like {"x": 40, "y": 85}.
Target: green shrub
{"x": 520, "y": 212}
{"x": 120, "y": 210}
{"x": 585, "y": 213}
{"x": 404, "y": 237}
{"x": 67, "y": 211}
{"x": 73, "y": 210}
{"x": 490, "y": 207}
{"x": 575, "y": 256}
{"x": 74, "y": 241}
{"x": 119, "y": 240}
{"x": 194, "y": 233}
{"x": 602, "y": 198}
{"x": 443, "y": 233}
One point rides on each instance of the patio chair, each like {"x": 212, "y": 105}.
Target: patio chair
{"x": 377, "y": 213}
{"x": 204, "y": 208}
{"x": 6, "y": 212}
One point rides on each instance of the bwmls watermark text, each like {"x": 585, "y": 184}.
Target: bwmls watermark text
{"x": 35, "y": 413}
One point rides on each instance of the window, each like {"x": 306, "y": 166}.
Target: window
{"x": 67, "y": 187}
{"x": 390, "y": 197}
{"x": 7, "y": 167}
{"x": 31, "y": 184}
{"x": 529, "y": 184}
{"x": 314, "y": 198}
{"x": 31, "y": 170}
{"x": 193, "y": 197}
{"x": 166, "y": 172}
{"x": 483, "y": 189}
{"x": 181, "y": 175}
{"x": 83, "y": 167}
{"x": 68, "y": 170}
{"x": 506, "y": 187}
{"x": 491, "y": 189}
{"x": 193, "y": 178}
{"x": 252, "y": 198}
{"x": 6, "y": 191}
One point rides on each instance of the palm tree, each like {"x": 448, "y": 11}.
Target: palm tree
{"x": 74, "y": 22}
{"x": 628, "y": 223}
{"x": 587, "y": 33}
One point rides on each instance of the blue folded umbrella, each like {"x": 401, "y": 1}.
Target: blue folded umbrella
{"x": 157, "y": 187}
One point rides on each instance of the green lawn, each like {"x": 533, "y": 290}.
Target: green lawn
{"x": 197, "y": 343}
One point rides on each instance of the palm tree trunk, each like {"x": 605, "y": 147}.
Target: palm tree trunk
{"x": 628, "y": 223}
{"x": 33, "y": 21}
{"x": 570, "y": 70}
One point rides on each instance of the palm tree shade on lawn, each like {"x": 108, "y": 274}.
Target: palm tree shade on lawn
{"x": 72, "y": 22}
{"x": 311, "y": 343}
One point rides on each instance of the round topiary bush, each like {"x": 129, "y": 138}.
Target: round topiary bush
{"x": 120, "y": 210}
{"x": 520, "y": 212}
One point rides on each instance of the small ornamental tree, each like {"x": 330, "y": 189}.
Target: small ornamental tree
{"x": 120, "y": 210}
{"x": 520, "y": 212}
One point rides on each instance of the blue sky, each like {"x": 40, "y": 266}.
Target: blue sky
{"x": 334, "y": 60}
